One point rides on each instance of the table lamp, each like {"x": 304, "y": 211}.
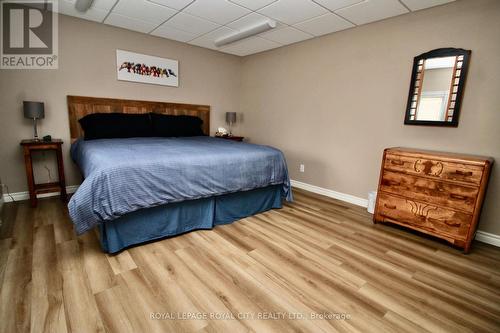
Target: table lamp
{"x": 230, "y": 120}
{"x": 34, "y": 110}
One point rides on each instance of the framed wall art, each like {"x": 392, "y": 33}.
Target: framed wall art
{"x": 136, "y": 67}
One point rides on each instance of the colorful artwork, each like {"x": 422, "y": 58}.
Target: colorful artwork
{"x": 142, "y": 68}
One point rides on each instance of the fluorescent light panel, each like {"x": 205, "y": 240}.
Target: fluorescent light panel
{"x": 252, "y": 31}
{"x": 83, "y": 5}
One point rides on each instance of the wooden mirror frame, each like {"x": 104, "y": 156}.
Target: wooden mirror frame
{"x": 456, "y": 97}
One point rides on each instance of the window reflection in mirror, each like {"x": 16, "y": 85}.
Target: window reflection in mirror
{"x": 436, "y": 87}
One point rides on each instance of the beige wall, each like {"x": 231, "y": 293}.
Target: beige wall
{"x": 334, "y": 103}
{"x": 87, "y": 67}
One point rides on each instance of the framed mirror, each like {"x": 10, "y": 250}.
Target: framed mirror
{"x": 436, "y": 87}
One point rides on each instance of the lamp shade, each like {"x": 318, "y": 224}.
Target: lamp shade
{"x": 230, "y": 117}
{"x": 34, "y": 110}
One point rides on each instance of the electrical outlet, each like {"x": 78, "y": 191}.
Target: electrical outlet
{"x": 302, "y": 168}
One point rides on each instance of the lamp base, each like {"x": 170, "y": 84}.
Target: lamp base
{"x": 35, "y": 131}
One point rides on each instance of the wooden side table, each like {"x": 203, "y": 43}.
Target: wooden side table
{"x": 232, "y": 137}
{"x": 34, "y": 189}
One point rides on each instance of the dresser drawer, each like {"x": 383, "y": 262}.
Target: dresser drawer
{"x": 465, "y": 173}
{"x": 419, "y": 215}
{"x": 451, "y": 195}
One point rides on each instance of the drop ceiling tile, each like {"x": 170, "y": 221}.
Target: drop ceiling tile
{"x": 250, "y": 20}
{"x": 175, "y": 4}
{"x": 191, "y": 24}
{"x": 324, "y": 24}
{"x": 171, "y": 33}
{"x": 219, "y": 11}
{"x": 253, "y": 4}
{"x": 144, "y": 10}
{"x": 337, "y": 4}
{"x": 93, "y": 14}
{"x": 287, "y": 35}
{"x": 372, "y": 10}
{"x": 208, "y": 40}
{"x": 293, "y": 11}
{"x": 103, "y": 4}
{"x": 129, "y": 23}
{"x": 421, "y": 4}
{"x": 250, "y": 46}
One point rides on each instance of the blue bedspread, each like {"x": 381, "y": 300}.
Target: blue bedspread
{"x": 124, "y": 175}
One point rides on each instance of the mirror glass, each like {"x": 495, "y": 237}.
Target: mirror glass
{"x": 437, "y": 84}
{"x": 435, "y": 93}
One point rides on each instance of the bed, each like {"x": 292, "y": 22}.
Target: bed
{"x": 140, "y": 189}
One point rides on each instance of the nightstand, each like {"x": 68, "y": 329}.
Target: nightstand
{"x": 60, "y": 186}
{"x": 233, "y": 137}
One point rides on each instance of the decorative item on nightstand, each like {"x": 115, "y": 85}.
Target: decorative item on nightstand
{"x": 221, "y": 131}
{"x": 34, "y": 110}
{"x": 224, "y": 134}
{"x": 230, "y": 120}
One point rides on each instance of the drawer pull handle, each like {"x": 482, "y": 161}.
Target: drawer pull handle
{"x": 458, "y": 197}
{"x": 463, "y": 173}
{"x": 390, "y": 206}
{"x": 395, "y": 162}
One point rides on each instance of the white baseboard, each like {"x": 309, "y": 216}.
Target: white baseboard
{"x": 487, "y": 238}
{"x": 481, "y": 236}
{"x": 330, "y": 193}
{"x": 20, "y": 196}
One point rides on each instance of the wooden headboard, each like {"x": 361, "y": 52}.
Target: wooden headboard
{"x": 79, "y": 107}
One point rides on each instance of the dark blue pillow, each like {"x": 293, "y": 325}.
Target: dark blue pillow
{"x": 116, "y": 125}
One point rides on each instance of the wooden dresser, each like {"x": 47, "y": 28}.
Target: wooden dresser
{"x": 440, "y": 194}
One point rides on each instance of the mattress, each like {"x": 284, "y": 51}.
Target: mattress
{"x": 125, "y": 175}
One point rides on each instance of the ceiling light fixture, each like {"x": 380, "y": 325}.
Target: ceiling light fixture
{"x": 83, "y": 5}
{"x": 236, "y": 36}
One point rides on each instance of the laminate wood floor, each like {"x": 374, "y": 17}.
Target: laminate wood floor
{"x": 317, "y": 265}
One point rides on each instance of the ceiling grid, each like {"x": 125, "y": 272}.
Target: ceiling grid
{"x": 201, "y": 22}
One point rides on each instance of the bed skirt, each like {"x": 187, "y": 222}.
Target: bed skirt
{"x": 176, "y": 218}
